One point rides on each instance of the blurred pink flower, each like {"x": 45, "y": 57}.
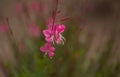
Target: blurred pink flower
{"x": 34, "y": 30}
{"x": 3, "y": 28}
{"x": 35, "y": 7}
{"x": 18, "y": 8}
{"x": 48, "y": 49}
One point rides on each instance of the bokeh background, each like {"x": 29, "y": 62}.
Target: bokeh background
{"x": 92, "y": 45}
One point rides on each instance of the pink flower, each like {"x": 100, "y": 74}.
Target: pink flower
{"x": 48, "y": 35}
{"x": 3, "y": 28}
{"x": 53, "y": 34}
{"x": 34, "y": 30}
{"x": 59, "y": 28}
{"x": 48, "y": 49}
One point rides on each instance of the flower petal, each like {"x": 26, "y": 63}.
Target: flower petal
{"x": 48, "y": 39}
{"x": 51, "y": 54}
{"x": 43, "y": 49}
{"x": 52, "y": 49}
{"x": 47, "y": 45}
{"x": 61, "y": 28}
{"x": 47, "y": 33}
{"x": 58, "y": 41}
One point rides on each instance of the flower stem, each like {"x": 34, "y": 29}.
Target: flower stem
{"x": 14, "y": 43}
{"x": 55, "y": 12}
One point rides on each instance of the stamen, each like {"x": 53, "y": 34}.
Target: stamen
{"x": 53, "y": 41}
{"x": 62, "y": 39}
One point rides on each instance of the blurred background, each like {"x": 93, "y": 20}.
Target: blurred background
{"x": 92, "y": 45}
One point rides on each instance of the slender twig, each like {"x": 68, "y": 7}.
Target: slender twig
{"x": 54, "y": 13}
{"x": 15, "y": 46}
{"x": 13, "y": 38}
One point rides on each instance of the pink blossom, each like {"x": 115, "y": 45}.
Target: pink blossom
{"x": 3, "y": 28}
{"x": 48, "y": 49}
{"x": 34, "y": 30}
{"x": 54, "y": 34}
{"x": 18, "y": 8}
{"x": 59, "y": 28}
{"x": 48, "y": 35}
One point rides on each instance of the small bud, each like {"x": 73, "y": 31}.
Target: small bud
{"x": 64, "y": 19}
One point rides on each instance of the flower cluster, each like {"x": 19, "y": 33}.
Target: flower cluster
{"x": 52, "y": 36}
{"x": 53, "y": 33}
